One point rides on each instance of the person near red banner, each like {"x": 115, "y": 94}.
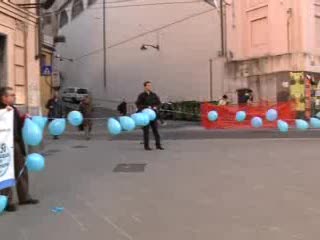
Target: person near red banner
{"x": 7, "y": 100}
{"x": 223, "y": 101}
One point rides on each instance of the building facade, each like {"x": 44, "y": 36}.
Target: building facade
{"x": 183, "y": 38}
{"x": 20, "y": 53}
{"x": 274, "y": 49}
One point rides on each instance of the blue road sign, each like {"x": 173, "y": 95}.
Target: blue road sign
{"x": 46, "y": 70}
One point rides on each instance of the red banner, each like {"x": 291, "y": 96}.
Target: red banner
{"x": 227, "y": 115}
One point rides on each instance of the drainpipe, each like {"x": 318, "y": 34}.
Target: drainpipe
{"x": 289, "y": 12}
{"x": 222, "y": 28}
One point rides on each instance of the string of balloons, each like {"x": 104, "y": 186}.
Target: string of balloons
{"x": 33, "y": 130}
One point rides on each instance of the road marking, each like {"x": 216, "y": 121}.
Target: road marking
{"x": 116, "y": 227}
{"x": 136, "y": 219}
{"x": 120, "y": 230}
{"x": 81, "y": 225}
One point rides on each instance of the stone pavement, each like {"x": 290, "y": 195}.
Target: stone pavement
{"x": 240, "y": 189}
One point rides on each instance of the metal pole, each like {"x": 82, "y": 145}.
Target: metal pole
{"x": 104, "y": 46}
{"x": 211, "y": 83}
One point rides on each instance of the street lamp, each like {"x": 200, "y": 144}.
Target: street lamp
{"x": 63, "y": 58}
{"x": 145, "y": 47}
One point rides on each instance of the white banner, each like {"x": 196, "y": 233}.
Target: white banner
{"x": 7, "y": 178}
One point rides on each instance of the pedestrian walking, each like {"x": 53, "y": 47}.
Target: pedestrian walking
{"x": 55, "y": 108}
{"x": 149, "y": 99}
{"x": 7, "y": 100}
{"x": 122, "y": 108}
{"x": 86, "y": 108}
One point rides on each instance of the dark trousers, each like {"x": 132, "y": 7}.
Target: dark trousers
{"x": 23, "y": 181}
{"x": 154, "y": 127}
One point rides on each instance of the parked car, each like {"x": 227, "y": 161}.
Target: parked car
{"x": 74, "y": 94}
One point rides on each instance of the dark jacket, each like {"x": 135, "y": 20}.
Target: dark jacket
{"x": 146, "y": 100}
{"x": 86, "y": 109}
{"x": 122, "y": 108}
{"x": 18, "y": 121}
{"x": 55, "y": 107}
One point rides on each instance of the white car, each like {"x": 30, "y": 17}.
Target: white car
{"x": 74, "y": 94}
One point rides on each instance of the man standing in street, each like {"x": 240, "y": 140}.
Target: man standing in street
{"x": 149, "y": 99}
{"x": 55, "y": 108}
{"x": 7, "y": 99}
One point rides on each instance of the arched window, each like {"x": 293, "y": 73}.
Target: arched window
{"x": 77, "y": 8}
{"x": 64, "y": 19}
{"x": 91, "y": 2}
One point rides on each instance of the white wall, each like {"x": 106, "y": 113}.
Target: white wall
{"x": 179, "y": 71}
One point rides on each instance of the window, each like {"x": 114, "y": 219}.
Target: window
{"x": 77, "y": 8}
{"x": 3, "y": 60}
{"x": 43, "y": 60}
{"x": 82, "y": 91}
{"x": 64, "y": 19}
{"x": 91, "y": 2}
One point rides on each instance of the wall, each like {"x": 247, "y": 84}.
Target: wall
{"x": 267, "y": 39}
{"x": 46, "y": 81}
{"x": 179, "y": 71}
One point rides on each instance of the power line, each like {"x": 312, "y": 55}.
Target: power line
{"x": 144, "y": 33}
{"x": 125, "y": 6}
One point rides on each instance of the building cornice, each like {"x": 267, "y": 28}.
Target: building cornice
{"x": 18, "y": 13}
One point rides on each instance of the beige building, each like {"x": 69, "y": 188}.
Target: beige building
{"x": 19, "y": 53}
{"x": 273, "y": 48}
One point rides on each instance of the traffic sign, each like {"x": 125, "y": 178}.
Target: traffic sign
{"x": 46, "y": 70}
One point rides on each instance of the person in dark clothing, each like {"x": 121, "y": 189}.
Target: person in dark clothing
{"x": 86, "y": 109}
{"x": 7, "y": 99}
{"x": 149, "y": 99}
{"x": 122, "y": 108}
{"x": 55, "y": 108}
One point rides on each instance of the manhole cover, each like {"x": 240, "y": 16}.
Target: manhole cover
{"x": 80, "y": 146}
{"x": 128, "y": 168}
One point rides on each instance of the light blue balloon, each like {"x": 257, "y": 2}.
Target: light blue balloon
{"x": 127, "y": 123}
{"x": 31, "y": 133}
{"x": 138, "y": 118}
{"x": 283, "y": 126}
{"x": 257, "y": 122}
{"x": 302, "y": 125}
{"x": 272, "y": 115}
{"x": 213, "y": 116}
{"x": 3, "y": 203}
{"x": 315, "y": 122}
{"x": 146, "y": 119}
{"x": 114, "y": 126}
{"x": 75, "y": 118}
{"x": 151, "y": 114}
{"x": 241, "y": 116}
{"x": 40, "y": 121}
{"x": 57, "y": 127}
{"x": 35, "y": 162}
